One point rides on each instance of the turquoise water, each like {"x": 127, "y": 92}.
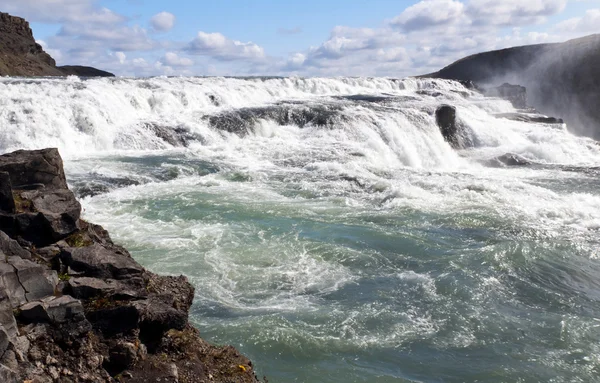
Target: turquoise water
{"x": 331, "y": 233}
{"x": 329, "y": 283}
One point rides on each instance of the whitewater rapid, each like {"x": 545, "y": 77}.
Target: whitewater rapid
{"x": 331, "y": 233}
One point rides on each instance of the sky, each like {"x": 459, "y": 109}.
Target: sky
{"x": 293, "y": 37}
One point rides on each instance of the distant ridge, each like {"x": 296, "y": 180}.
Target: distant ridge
{"x": 562, "y": 79}
{"x": 20, "y": 55}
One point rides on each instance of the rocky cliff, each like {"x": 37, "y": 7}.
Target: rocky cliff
{"x": 20, "y": 55}
{"x": 76, "y": 307}
{"x": 561, "y": 79}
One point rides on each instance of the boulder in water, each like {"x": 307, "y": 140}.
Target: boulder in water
{"x": 445, "y": 117}
{"x": 510, "y": 159}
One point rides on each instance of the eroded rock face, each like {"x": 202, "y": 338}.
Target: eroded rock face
{"x": 80, "y": 308}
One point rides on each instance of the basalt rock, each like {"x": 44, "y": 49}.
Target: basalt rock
{"x": 76, "y": 307}
{"x": 445, "y": 117}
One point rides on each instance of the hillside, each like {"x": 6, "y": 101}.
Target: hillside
{"x": 20, "y": 55}
{"x": 562, "y": 79}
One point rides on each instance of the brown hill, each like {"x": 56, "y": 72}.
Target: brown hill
{"x": 562, "y": 79}
{"x": 20, "y": 55}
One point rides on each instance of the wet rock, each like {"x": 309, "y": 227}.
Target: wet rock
{"x": 99, "y": 262}
{"x": 530, "y": 118}
{"x": 445, "y": 117}
{"x": 7, "y": 202}
{"x": 28, "y": 167}
{"x": 510, "y": 159}
{"x": 516, "y": 94}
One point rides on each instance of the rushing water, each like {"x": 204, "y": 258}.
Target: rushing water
{"x": 330, "y": 231}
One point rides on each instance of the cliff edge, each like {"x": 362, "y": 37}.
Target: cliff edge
{"x": 20, "y": 55}
{"x": 76, "y": 307}
{"x": 561, "y": 79}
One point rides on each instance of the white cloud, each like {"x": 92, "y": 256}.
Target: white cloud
{"x": 428, "y": 13}
{"x": 513, "y": 12}
{"x": 173, "y": 60}
{"x": 589, "y": 23}
{"x": 122, "y": 57}
{"x": 163, "y": 22}
{"x": 61, "y": 11}
{"x": 221, "y": 48}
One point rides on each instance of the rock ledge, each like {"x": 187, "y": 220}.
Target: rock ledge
{"x": 76, "y": 307}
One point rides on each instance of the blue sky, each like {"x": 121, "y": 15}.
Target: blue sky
{"x": 306, "y": 38}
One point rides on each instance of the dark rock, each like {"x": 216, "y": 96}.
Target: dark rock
{"x": 113, "y": 318}
{"x": 98, "y": 261}
{"x": 9, "y": 282}
{"x": 445, "y": 117}
{"x": 54, "y": 215}
{"x": 7, "y": 319}
{"x": 65, "y": 308}
{"x": 21, "y": 55}
{"x": 34, "y": 312}
{"x": 165, "y": 286}
{"x": 11, "y": 248}
{"x": 37, "y": 280}
{"x": 530, "y": 118}
{"x": 176, "y": 136}
{"x": 27, "y": 167}
{"x": 7, "y": 202}
{"x": 83, "y": 71}
{"x": 561, "y": 79}
{"x": 4, "y": 340}
{"x": 516, "y": 94}
{"x": 156, "y": 318}
{"x": 53, "y": 310}
{"x": 122, "y": 356}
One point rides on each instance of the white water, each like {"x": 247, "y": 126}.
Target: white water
{"x": 278, "y": 227}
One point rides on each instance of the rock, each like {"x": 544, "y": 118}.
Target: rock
{"x": 7, "y": 202}
{"x": 85, "y": 288}
{"x": 445, "y": 117}
{"x": 530, "y": 118}
{"x": 510, "y": 159}
{"x": 54, "y": 216}
{"x": 83, "y": 71}
{"x": 34, "y": 312}
{"x": 28, "y": 167}
{"x": 65, "y": 308}
{"x": 156, "y": 318}
{"x": 113, "y": 319}
{"x": 516, "y": 94}
{"x": 21, "y": 55}
{"x": 53, "y": 310}
{"x": 11, "y": 248}
{"x": 122, "y": 356}
{"x": 99, "y": 262}
{"x": 7, "y": 375}
{"x": 4, "y": 340}
{"x": 562, "y": 79}
{"x": 7, "y": 319}
{"x": 37, "y": 281}
{"x": 9, "y": 282}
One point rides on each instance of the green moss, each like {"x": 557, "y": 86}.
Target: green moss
{"x": 78, "y": 239}
{"x": 22, "y": 205}
{"x": 64, "y": 277}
